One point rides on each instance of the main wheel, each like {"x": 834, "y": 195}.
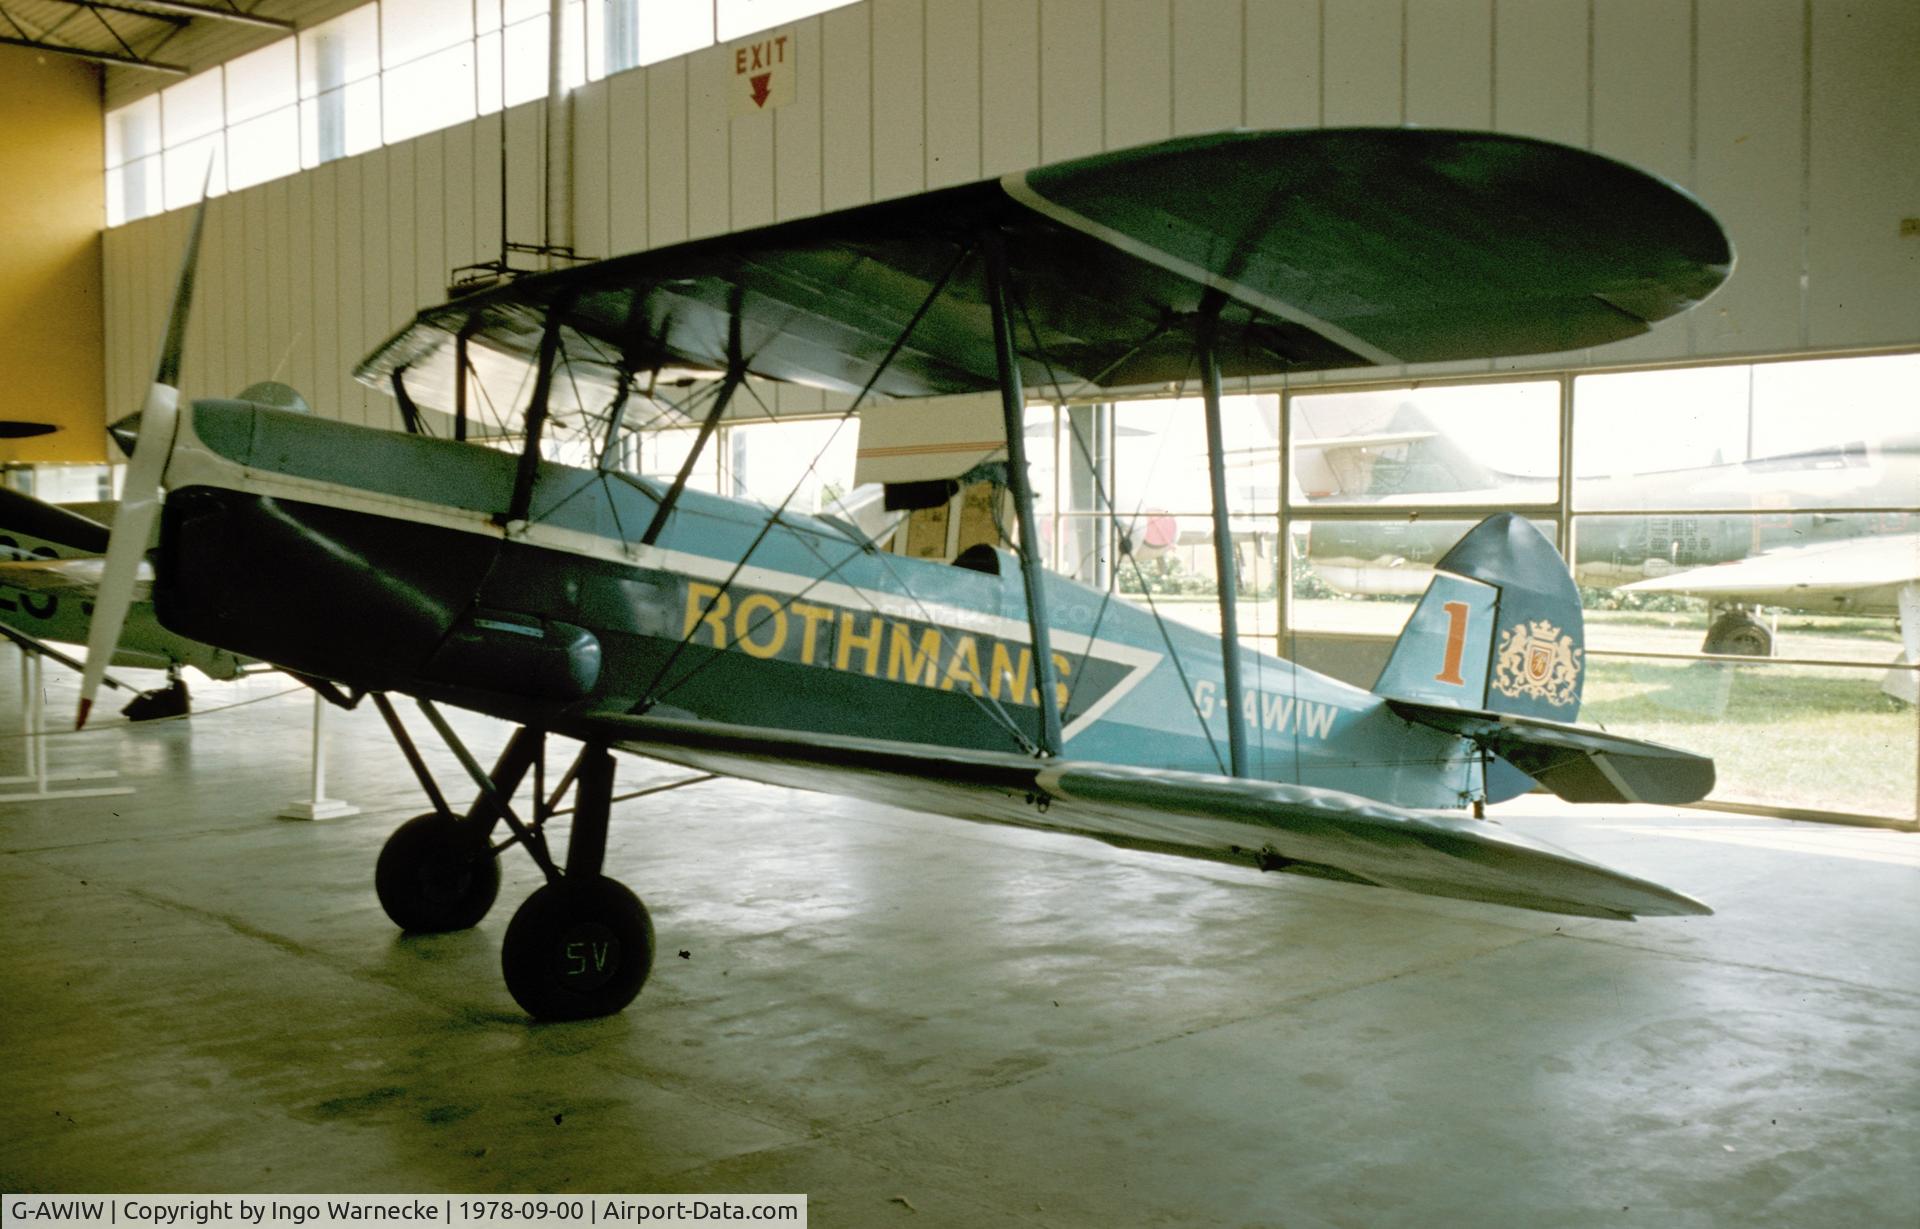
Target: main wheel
{"x": 435, "y": 874}
{"x": 1739, "y": 633}
{"x": 577, "y": 949}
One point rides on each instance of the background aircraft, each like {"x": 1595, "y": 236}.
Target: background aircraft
{"x": 727, "y": 636}
{"x": 1803, "y": 559}
{"x": 49, "y": 569}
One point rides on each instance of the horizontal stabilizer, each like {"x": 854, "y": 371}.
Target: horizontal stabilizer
{"x": 1264, "y": 824}
{"x": 1577, "y": 764}
{"x": 75, "y": 578}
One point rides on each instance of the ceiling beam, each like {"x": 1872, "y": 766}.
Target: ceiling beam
{"x": 213, "y": 11}
{"x": 129, "y": 10}
{"x": 98, "y": 57}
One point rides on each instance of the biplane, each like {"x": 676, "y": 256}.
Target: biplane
{"x": 642, "y": 615}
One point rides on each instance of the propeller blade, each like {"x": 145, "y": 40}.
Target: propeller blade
{"x": 16, "y": 429}
{"x": 141, "y": 494}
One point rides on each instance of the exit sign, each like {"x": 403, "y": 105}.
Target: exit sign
{"x": 761, "y": 72}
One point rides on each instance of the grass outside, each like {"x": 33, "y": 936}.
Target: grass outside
{"x": 1824, "y": 738}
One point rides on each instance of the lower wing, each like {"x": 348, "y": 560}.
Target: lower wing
{"x": 1292, "y": 828}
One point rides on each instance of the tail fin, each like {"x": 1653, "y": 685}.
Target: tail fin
{"x": 1495, "y": 653}
{"x": 1499, "y": 629}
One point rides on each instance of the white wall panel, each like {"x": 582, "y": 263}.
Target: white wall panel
{"x": 667, "y": 153}
{"x": 1282, "y": 58}
{"x": 1137, "y": 72}
{"x": 242, "y": 367}
{"x": 323, "y": 391}
{"x": 461, "y": 200}
{"x": 953, "y": 92}
{"x": 1207, "y": 53}
{"x": 299, "y": 287}
{"x": 430, "y": 264}
{"x": 749, "y": 153}
{"x": 349, "y": 306}
{"x": 591, "y": 167}
{"x": 370, "y": 256}
{"x": 1360, "y": 59}
{"x": 708, "y": 169}
{"x": 1540, "y": 70}
{"x": 401, "y": 206}
{"x": 1750, "y": 170}
{"x": 231, "y": 361}
{"x": 1009, "y": 86}
{"x": 1643, "y": 115}
{"x": 846, "y": 101}
{"x": 1072, "y": 42}
{"x": 796, "y": 127}
{"x": 1450, "y": 63}
{"x": 526, "y": 174}
{"x": 627, "y": 176}
{"x": 485, "y": 166}
{"x": 202, "y": 370}
{"x": 899, "y": 98}
{"x": 278, "y": 308}
{"x": 1864, "y": 174}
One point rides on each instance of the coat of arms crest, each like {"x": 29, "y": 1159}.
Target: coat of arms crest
{"x": 1537, "y": 659}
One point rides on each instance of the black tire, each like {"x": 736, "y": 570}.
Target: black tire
{"x": 577, "y": 950}
{"x": 435, "y": 874}
{"x": 1739, "y": 634}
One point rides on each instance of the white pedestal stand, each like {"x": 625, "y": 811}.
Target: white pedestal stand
{"x": 33, "y": 706}
{"x": 319, "y": 806}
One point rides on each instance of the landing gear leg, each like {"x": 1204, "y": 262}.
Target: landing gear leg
{"x": 437, "y": 872}
{"x": 169, "y": 701}
{"x": 581, "y": 946}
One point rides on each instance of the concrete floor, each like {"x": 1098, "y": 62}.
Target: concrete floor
{"x": 928, "y": 1023}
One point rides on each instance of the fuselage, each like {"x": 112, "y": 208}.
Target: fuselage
{"x": 380, "y": 560}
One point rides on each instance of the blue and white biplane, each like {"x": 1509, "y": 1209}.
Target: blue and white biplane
{"x": 641, "y": 615}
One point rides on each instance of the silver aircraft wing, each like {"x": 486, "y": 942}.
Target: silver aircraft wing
{"x": 1271, "y": 826}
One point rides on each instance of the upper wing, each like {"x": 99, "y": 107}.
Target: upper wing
{"x": 1327, "y": 248}
{"x": 1867, "y": 571}
{"x": 1257, "y": 823}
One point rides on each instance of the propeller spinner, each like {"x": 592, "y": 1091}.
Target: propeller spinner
{"x": 141, "y": 494}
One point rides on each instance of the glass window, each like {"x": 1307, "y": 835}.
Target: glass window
{"x": 613, "y": 36}
{"x": 264, "y": 148}
{"x": 133, "y": 131}
{"x": 193, "y": 167}
{"x": 194, "y": 108}
{"x": 1458, "y": 443}
{"x": 262, "y": 81}
{"x": 339, "y": 87}
{"x": 1784, "y": 584}
{"x": 1831, "y": 433}
{"x": 1160, "y": 455}
{"x": 1365, "y": 577}
{"x": 1184, "y": 582}
{"x": 339, "y": 52}
{"x": 768, "y": 460}
{"x": 133, "y": 190}
{"x": 434, "y": 91}
{"x": 735, "y": 18}
{"x": 410, "y": 29}
{"x": 340, "y": 122}
{"x": 668, "y": 30}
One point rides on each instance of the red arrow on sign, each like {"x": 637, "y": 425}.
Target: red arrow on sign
{"x": 760, "y": 89}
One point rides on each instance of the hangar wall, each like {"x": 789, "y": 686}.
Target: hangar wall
{"x": 51, "y": 351}
{"x": 1789, "y": 118}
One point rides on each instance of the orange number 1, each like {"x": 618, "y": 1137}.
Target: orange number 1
{"x": 1456, "y": 644}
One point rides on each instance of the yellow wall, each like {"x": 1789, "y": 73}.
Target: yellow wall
{"x": 52, "y": 205}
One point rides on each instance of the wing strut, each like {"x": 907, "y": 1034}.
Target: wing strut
{"x": 1223, "y": 556}
{"x": 1013, "y": 409}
